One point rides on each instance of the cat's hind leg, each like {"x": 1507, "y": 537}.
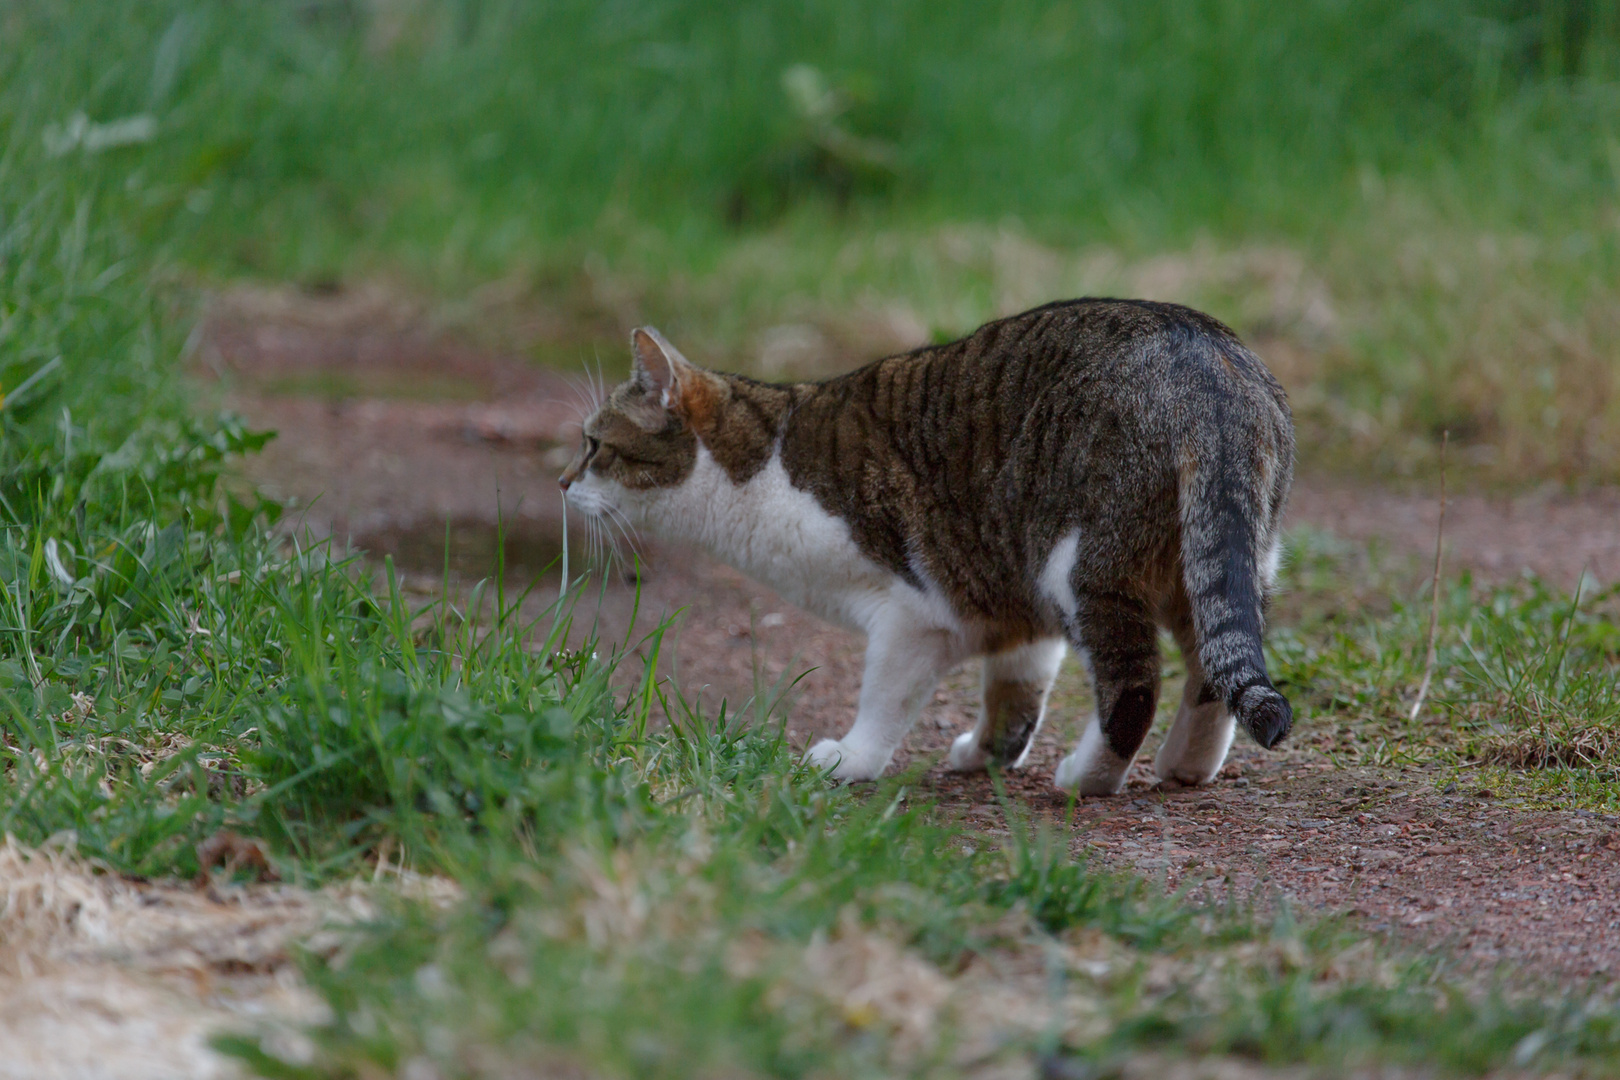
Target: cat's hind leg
{"x": 1196, "y": 745}
{"x": 1120, "y": 636}
{"x": 904, "y": 662}
{"x": 1016, "y": 685}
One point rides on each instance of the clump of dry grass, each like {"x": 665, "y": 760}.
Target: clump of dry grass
{"x": 1567, "y": 745}
{"x": 101, "y": 975}
{"x": 104, "y": 973}
{"x": 1501, "y": 334}
{"x": 1537, "y": 688}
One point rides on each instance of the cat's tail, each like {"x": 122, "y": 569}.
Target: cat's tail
{"x": 1230, "y": 501}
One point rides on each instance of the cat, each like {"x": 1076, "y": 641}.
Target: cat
{"x": 1080, "y": 474}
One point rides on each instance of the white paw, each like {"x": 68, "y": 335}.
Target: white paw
{"x": 846, "y": 763}
{"x": 1196, "y": 775}
{"x": 1093, "y": 768}
{"x": 966, "y": 753}
{"x": 1196, "y": 746}
{"x": 1080, "y": 774}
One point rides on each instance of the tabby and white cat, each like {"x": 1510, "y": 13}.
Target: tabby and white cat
{"x": 1080, "y": 474}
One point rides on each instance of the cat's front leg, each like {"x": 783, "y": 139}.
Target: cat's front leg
{"x": 904, "y": 662}
{"x": 1016, "y": 685}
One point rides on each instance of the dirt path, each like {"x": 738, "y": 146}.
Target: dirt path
{"x": 388, "y": 432}
{"x": 1555, "y": 535}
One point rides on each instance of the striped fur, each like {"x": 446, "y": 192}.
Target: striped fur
{"x": 1085, "y": 472}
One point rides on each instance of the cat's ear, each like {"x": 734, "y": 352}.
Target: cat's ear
{"x": 680, "y": 388}
{"x": 659, "y": 366}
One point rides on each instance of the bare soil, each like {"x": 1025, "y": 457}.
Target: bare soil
{"x": 391, "y": 433}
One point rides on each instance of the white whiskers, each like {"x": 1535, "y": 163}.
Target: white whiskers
{"x": 632, "y": 535}
{"x": 608, "y": 531}
{"x": 585, "y": 400}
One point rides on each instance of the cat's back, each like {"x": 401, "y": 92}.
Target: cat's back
{"x": 1068, "y": 363}
{"x": 1139, "y": 344}
{"x": 969, "y": 457}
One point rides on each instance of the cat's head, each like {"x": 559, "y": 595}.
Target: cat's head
{"x": 640, "y": 445}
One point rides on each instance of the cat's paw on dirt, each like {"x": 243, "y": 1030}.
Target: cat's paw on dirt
{"x": 1082, "y": 774}
{"x": 967, "y": 753}
{"x": 846, "y": 763}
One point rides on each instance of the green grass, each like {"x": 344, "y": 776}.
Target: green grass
{"x": 391, "y": 128}
{"x": 1524, "y": 700}
{"x": 693, "y": 899}
{"x": 648, "y": 901}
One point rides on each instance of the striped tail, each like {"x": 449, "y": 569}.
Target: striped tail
{"x": 1224, "y": 521}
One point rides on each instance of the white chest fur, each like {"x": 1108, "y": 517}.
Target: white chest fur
{"x": 771, "y": 531}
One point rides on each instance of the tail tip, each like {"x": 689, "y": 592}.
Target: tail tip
{"x": 1265, "y": 714}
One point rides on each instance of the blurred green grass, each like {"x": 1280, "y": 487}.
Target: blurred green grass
{"x": 479, "y": 133}
{"x": 1443, "y": 171}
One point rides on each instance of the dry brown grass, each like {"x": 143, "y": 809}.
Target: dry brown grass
{"x": 1506, "y": 337}
{"x": 1569, "y": 746}
{"x": 106, "y": 977}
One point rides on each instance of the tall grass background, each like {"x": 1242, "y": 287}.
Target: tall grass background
{"x": 476, "y": 132}
{"x": 1447, "y": 168}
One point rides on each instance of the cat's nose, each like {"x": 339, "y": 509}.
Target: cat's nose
{"x": 563, "y": 482}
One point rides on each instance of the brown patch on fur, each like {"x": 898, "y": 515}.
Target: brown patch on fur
{"x": 700, "y": 400}
{"x": 742, "y": 430}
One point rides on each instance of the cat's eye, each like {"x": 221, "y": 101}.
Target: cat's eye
{"x": 592, "y": 445}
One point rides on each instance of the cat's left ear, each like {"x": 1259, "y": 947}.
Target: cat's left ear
{"x": 660, "y": 367}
